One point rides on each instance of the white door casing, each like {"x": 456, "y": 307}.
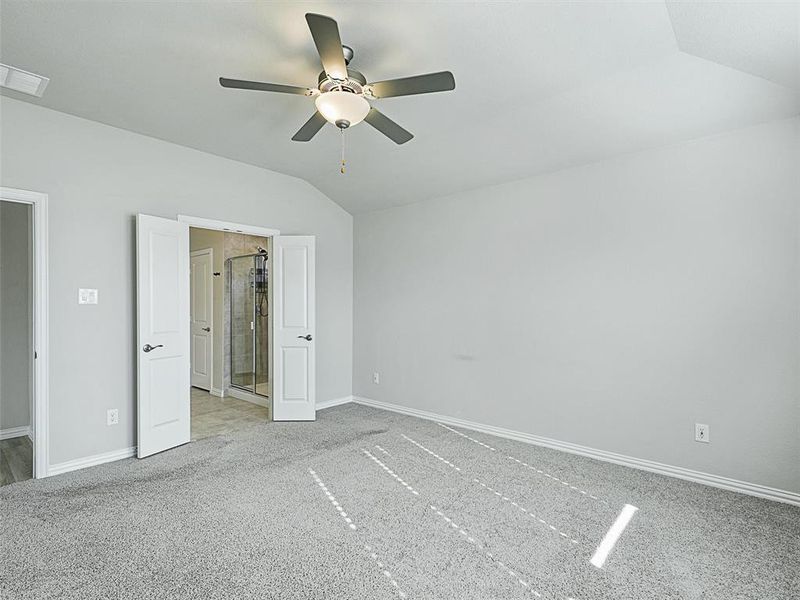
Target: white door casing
{"x": 294, "y": 328}
{"x": 162, "y": 294}
{"x": 201, "y": 321}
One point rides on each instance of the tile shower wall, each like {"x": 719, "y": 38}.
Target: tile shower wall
{"x": 240, "y": 343}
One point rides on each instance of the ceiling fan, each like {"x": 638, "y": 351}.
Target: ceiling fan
{"x": 341, "y": 94}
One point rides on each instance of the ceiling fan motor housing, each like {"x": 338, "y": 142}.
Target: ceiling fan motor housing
{"x": 354, "y": 83}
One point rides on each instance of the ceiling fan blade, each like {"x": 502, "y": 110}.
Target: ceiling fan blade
{"x": 310, "y": 129}
{"x": 418, "y": 84}
{"x": 263, "y": 87}
{"x": 325, "y": 32}
{"x": 387, "y": 127}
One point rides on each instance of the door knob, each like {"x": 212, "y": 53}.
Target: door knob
{"x": 206, "y": 328}
{"x": 148, "y": 347}
{"x": 308, "y": 337}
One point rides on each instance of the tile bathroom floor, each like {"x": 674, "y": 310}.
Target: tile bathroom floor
{"x": 215, "y": 416}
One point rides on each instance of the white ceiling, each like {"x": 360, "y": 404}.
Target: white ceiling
{"x": 540, "y": 86}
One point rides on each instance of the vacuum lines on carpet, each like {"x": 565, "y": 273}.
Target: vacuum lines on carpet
{"x": 372, "y": 554}
{"x": 597, "y": 560}
{"x": 452, "y": 525}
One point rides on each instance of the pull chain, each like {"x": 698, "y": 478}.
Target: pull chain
{"x": 341, "y": 170}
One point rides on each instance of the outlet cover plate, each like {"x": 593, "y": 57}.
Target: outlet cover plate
{"x": 701, "y": 433}
{"x": 112, "y": 416}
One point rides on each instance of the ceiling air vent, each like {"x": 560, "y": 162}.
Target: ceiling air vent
{"x": 22, "y": 81}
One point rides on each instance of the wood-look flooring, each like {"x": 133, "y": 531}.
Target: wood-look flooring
{"x": 214, "y": 416}
{"x": 16, "y": 460}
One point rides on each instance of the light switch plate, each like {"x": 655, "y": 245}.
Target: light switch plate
{"x": 87, "y": 296}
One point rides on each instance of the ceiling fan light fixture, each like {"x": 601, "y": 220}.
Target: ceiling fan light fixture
{"x": 341, "y": 94}
{"x": 342, "y": 107}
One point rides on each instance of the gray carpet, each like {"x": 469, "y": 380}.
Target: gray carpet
{"x": 370, "y": 504}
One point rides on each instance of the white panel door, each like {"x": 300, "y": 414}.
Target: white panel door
{"x": 202, "y": 310}
{"x": 162, "y": 294}
{"x": 294, "y": 328}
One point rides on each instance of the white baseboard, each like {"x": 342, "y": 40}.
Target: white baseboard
{"x": 248, "y": 397}
{"x": 334, "y": 402}
{"x": 743, "y": 487}
{"x": 15, "y": 432}
{"x": 90, "y": 461}
{"x": 217, "y": 392}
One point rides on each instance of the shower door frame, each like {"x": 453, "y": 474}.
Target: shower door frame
{"x": 256, "y": 329}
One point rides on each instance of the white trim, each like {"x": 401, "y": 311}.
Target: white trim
{"x": 725, "y": 483}
{"x": 41, "y": 343}
{"x": 217, "y": 392}
{"x": 227, "y": 226}
{"x": 248, "y": 397}
{"x": 91, "y": 461}
{"x": 334, "y": 402}
{"x": 15, "y": 432}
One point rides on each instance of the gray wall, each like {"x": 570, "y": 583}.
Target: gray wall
{"x": 98, "y": 178}
{"x": 612, "y": 305}
{"x": 15, "y": 315}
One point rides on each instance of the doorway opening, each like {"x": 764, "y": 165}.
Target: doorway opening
{"x": 16, "y": 342}
{"x": 230, "y": 329}
{"x": 23, "y": 335}
{"x": 164, "y": 330}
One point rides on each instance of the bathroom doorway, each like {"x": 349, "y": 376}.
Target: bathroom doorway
{"x": 230, "y": 331}
{"x": 166, "y": 400}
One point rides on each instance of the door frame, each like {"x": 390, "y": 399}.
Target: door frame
{"x": 203, "y": 252}
{"x": 41, "y": 346}
{"x": 267, "y": 232}
{"x": 218, "y": 225}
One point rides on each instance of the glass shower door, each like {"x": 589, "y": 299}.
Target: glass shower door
{"x": 242, "y": 323}
{"x": 261, "y": 298}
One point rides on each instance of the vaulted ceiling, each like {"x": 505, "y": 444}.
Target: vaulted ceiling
{"x": 540, "y": 86}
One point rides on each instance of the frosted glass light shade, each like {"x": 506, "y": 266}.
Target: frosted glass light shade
{"x": 338, "y": 106}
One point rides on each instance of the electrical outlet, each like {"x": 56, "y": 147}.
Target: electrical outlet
{"x": 112, "y": 416}
{"x": 701, "y": 433}
{"x": 376, "y": 378}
